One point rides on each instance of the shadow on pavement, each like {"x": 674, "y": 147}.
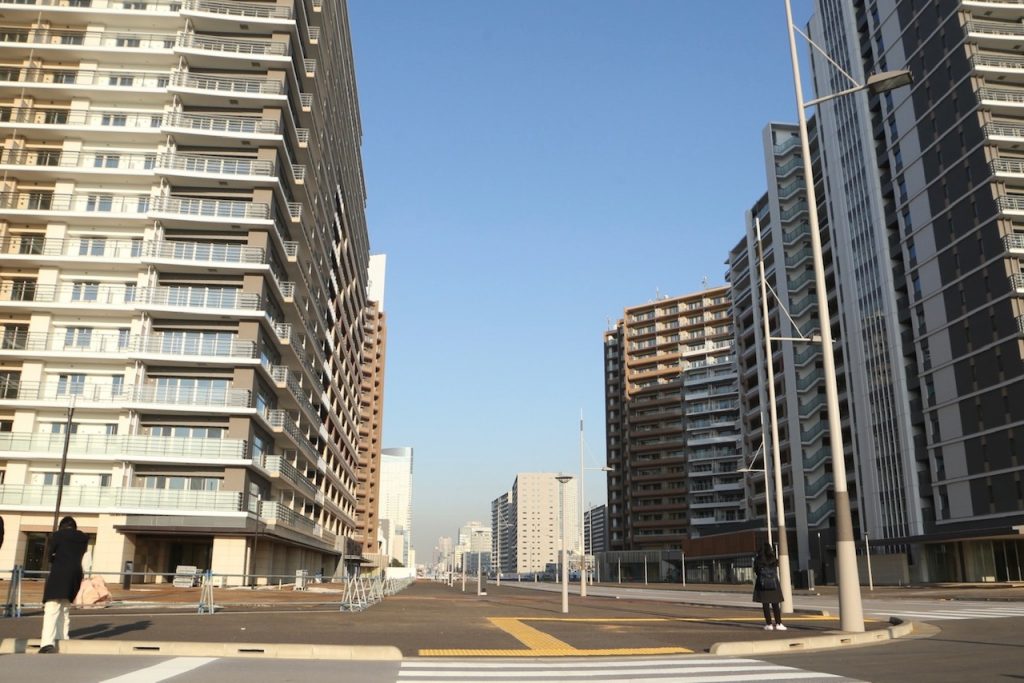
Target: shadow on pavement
{"x": 109, "y": 630}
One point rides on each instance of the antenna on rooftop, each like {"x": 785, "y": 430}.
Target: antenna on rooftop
{"x": 704, "y": 282}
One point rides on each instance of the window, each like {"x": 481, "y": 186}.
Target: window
{"x": 71, "y": 385}
{"x": 77, "y": 337}
{"x": 65, "y": 76}
{"x": 85, "y": 291}
{"x": 48, "y": 157}
{"x": 121, "y": 81}
{"x": 55, "y": 117}
{"x": 127, "y": 42}
{"x": 23, "y": 290}
{"x": 186, "y": 432}
{"x": 191, "y": 390}
{"x": 92, "y": 246}
{"x": 40, "y": 201}
{"x": 179, "y": 483}
{"x": 9, "y": 74}
{"x": 116, "y": 385}
{"x": 72, "y": 39}
{"x": 123, "y": 335}
{"x": 10, "y": 381}
{"x": 10, "y": 36}
{"x": 14, "y": 337}
{"x": 196, "y": 342}
{"x": 100, "y": 202}
{"x": 130, "y": 290}
{"x": 107, "y": 161}
{"x": 114, "y": 120}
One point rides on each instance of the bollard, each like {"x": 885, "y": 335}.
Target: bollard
{"x": 126, "y": 580}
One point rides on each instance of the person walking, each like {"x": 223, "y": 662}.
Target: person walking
{"x": 767, "y": 589}
{"x": 67, "y": 547}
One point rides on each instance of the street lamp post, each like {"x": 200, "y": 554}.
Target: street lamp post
{"x": 780, "y": 511}
{"x": 851, "y": 611}
{"x": 63, "y": 462}
{"x": 563, "y": 479}
{"x": 767, "y": 499}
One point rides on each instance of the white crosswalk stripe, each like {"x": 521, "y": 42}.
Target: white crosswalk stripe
{"x": 938, "y": 611}
{"x": 692, "y": 668}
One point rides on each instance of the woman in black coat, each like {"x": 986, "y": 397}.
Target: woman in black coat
{"x": 67, "y": 547}
{"x": 767, "y": 589}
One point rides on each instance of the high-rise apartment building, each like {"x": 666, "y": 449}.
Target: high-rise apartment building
{"x": 944, "y": 264}
{"x": 371, "y": 413}
{"x": 672, "y": 422}
{"x": 924, "y": 188}
{"x": 528, "y": 520}
{"x": 781, "y": 214}
{"x": 184, "y": 262}
{"x": 396, "y": 501}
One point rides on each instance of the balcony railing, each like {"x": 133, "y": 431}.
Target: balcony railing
{"x": 804, "y": 382}
{"x": 212, "y": 208}
{"x": 126, "y": 447}
{"x": 1011, "y": 203}
{"x": 37, "y": 245}
{"x": 788, "y": 167}
{"x": 793, "y": 211}
{"x": 997, "y": 61}
{"x": 108, "y": 393}
{"x": 276, "y": 464}
{"x": 90, "y": 77}
{"x": 46, "y": 158}
{"x": 233, "y": 125}
{"x": 215, "y": 165}
{"x": 994, "y": 28}
{"x": 1017, "y": 281}
{"x": 799, "y": 232}
{"x": 114, "y": 342}
{"x": 77, "y": 203}
{"x": 789, "y": 143}
{"x": 812, "y": 432}
{"x": 1013, "y": 241}
{"x": 167, "y": 344}
{"x": 240, "y": 46}
{"x": 254, "y": 10}
{"x": 110, "y": 499}
{"x": 1004, "y": 130}
{"x": 123, "y": 40}
{"x": 118, "y": 5}
{"x": 1020, "y": 323}
{"x": 1007, "y": 165}
{"x": 105, "y": 118}
{"x": 278, "y": 513}
{"x": 200, "y": 297}
{"x": 228, "y": 84}
{"x": 998, "y": 95}
{"x": 798, "y": 256}
{"x": 204, "y": 252}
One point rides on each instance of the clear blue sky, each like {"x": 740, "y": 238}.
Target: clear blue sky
{"x": 532, "y": 168}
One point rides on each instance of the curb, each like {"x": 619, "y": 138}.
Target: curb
{"x": 831, "y": 640}
{"x": 185, "y": 649}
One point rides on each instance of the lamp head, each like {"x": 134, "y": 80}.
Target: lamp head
{"x": 563, "y": 478}
{"x": 889, "y": 80}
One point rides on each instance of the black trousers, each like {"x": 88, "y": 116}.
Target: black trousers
{"x": 769, "y": 608}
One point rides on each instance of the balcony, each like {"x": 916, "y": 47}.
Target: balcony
{"x": 203, "y": 253}
{"x": 801, "y": 232}
{"x": 800, "y": 281}
{"x": 32, "y": 203}
{"x": 788, "y": 190}
{"x": 1014, "y": 242}
{"x": 816, "y": 487}
{"x": 798, "y": 257}
{"x": 792, "y": 212}
{"x": 783, "y": 170}
{"x": 1003, "y": 101}
{"x": 131, "y": 448}
{"x": 809, "y": 380}
{"x": 99, "y": 84}
{"x": 119, "y": 500}
{"x": 76, "y": 44}
{"x": 38, "y": 249}
{"x": 61, "y": 393}
{"x": 202, "y": 298}
{"x": 281, "y": 421}
{"x": 1000, "y": 68}
{"x": 711, "y": 406}
{"x": 1011, "y": 204}
{"x": 280, "y": 468}
{"x": 1020, "y": 324}
{"x": 814, "y": 431}
{"x": 813, "y": 406}
{"x": 203, "y": 169}
{"x": 186, "y": 210}
{"x": 817, "y": 516}
{"x": 1008, "y": 170}
{"x": 53, "y": 164}
{"x": 102, "y": 343}
{"x": 1017, "y": 282}
{"x": 278, "y": 514}
{"x": 996, "y": 34}
{"x": 215, "y": 51}
{"x": 801, "y": 306}
{"x": 195, "y": 350}
{"x": 228, "y": 90}
{"x": 237, "y": 16}
{"x": 790, "y": 143}
{"x": 102, "y": 124}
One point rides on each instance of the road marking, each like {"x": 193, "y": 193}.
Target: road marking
{"x": 162, "y": 671}
{"x": 662, "y": 670}
{"x": 540, "y": 644}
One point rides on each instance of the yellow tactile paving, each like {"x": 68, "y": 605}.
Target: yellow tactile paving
{"x": 540, "y": 644}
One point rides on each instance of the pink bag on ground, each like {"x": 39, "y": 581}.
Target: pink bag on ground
{"x": 93, "y": 593}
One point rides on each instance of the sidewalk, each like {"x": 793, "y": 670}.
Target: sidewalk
{"x": 935, "y": 591}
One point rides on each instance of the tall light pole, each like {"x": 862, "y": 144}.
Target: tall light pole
{"x": 583, "y": 544}
{"x": 780, "y": 511}
{"x": 767, "y": 498}
{"x": 851, "y": 611}
{"x": 563, "y": 479}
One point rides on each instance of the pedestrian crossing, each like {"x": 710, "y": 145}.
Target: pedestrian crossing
{"x": 634, "y": 670}
{"x": 939, "y": 610}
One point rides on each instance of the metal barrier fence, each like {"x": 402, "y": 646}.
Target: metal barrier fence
{"x": 357, "y": 593}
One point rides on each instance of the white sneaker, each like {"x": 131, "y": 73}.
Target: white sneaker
{"x": 769, "y": 627}
{"x": 780, "y": 627}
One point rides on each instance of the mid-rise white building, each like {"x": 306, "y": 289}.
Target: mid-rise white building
{"x": 528, "y": 520}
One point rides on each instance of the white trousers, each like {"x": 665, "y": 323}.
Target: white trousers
{"x": 56, "y": 621}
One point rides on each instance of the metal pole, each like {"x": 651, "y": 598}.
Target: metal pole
{"x": 583, "y": 545}
{"x": 63, "y": 463}
{"x": 683, "y": 564}
{"x": 780, "y": 510}
{"x": 645, "y": 569}
{"x": 620, "y": 570}
{"x": 867, "y": 552}
{"x": 463, "y": 572}
{"x": 479, "y": 575}
{"x": 565, "y": 563}
{"x": 851, "y": 611}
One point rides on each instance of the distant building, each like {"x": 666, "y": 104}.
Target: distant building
{"x": 396, "y": 500}
{"x": 595, "y": 529}
{"x": 528, "y": 520}
{"x": 672, "y": 422}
